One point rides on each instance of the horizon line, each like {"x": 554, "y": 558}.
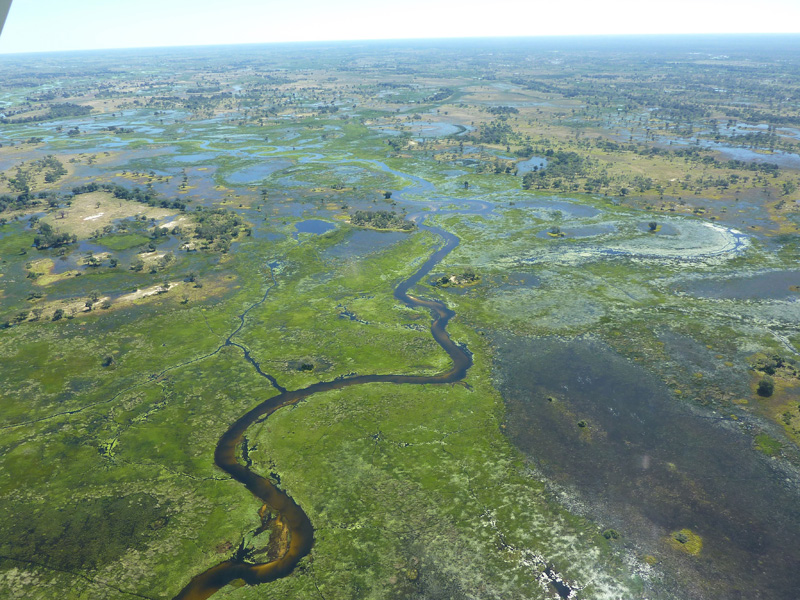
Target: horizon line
{"x": 415, "y": 39}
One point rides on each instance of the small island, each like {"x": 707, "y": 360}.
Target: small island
{"x": 381, "y": 219}
{"x": 465, "y": 278}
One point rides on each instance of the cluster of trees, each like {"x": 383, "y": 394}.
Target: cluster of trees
{"x": 217, "y": 228}
{"x": 560, "y": 164}
{"x": 22, "y": 201}
{"x": 466, "y": 277}
{"x": 23, "y": 180}
{"x": 54, "y": 168}
{"x": 503, "y": 110}
{"x": 439, "y": 96}
{"x": 497, "y": 166}
{"x": 136, "y": 194}
{"x": 381, "y": 219}
{"x": 211, "y": 89}
{"x": 495, "y": 132}
{"x": 753, "y": 115}
{"x": 399, "y": 142}
{"x": 47, "y": 237}
{"x": 115, "y": 129}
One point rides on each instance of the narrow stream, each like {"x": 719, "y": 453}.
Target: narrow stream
{"x": 291, "y": 520}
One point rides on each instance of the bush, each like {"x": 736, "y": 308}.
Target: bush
{"x": 766, "y": 386}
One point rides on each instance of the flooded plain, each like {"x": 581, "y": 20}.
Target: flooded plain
{"x": 643, "y": 463}
{"x": 770, "y": 285}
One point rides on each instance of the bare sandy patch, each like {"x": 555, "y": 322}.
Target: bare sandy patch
{"x": 149, "y": 291}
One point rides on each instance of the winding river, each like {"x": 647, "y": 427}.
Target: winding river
{"x": 291, "y": 524}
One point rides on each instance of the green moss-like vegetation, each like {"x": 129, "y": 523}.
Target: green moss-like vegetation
{"x": 768, "y": 445}
{"x": 123, "y": 241}
{"x": 686, "y": 541}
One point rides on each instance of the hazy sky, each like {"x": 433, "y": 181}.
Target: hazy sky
{"x": 44, "y": 25}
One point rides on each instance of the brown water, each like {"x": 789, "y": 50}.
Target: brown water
{"x": 291, "y": 519}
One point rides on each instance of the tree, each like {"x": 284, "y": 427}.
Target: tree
{"x": 652, "y": 225}
{"x": 766, "y": 386}
{"x": 58, "y": 314}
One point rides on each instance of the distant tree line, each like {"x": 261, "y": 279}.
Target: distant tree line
{"x": 503, "y": 110}
{"x": 56, "y": 111}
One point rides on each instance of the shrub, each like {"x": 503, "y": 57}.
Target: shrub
{"x": 766, "y": 386}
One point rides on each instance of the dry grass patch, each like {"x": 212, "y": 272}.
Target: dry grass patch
{"x": 90, "y": 212}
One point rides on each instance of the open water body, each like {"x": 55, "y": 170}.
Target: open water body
{"x": 315, "y": 226}
{"x": 648, "y": 466}
{"x": 259, "y": 172}
{"x": 362, "y": 242}
{"x": 526, "y": 166}
{"x": 423, "y": 129}
{"x": 772, "y": 285}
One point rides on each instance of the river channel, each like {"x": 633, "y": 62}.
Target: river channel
{"x": 291, "y": 520}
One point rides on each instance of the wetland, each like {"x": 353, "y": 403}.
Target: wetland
{"x": 231, "y": 368}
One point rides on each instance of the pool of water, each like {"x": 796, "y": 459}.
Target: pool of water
{"x": 546, "y": 209}
{"x": 364, "y": 241}
{"x": 200, "y": 157}
{"x": 772, "y": 285}
{"x": 525, "y": 166}
{"x": 315, "y": 226}
{"x": 258, "y": 172}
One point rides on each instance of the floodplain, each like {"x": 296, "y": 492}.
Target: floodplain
{"x": 529, "y": 308}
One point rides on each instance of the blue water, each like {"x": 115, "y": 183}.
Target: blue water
{"x": 259, "y": 172}
{"x": 314, "y": 226}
